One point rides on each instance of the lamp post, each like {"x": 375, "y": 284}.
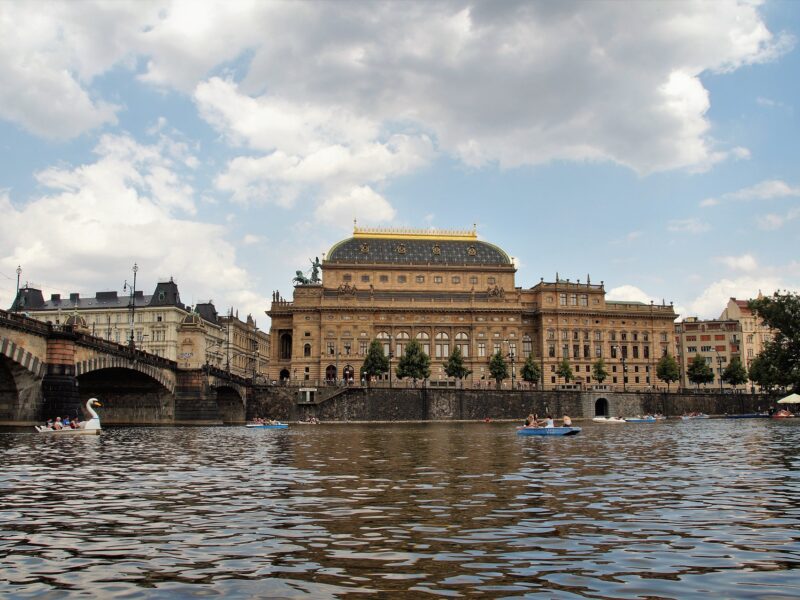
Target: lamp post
{"x": 131, "y": 342}
{"x": 337, "y": 368}
{"x": 391, "y": 356}
{"x": 719, "y": 369}
{"x": 624, "y": 367}
{"x": 16, "y": 298}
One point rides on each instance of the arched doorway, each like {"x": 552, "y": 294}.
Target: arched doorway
{"x": 285, "y": 375}
{"x": 330, "y": 373}
{"x": 348, "y": 373}
{"x": 601, "y": 407}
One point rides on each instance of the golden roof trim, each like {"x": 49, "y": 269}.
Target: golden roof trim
{"x": 404, "y": 233}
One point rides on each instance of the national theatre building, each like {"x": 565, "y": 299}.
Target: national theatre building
{"x": 449, "y": 289}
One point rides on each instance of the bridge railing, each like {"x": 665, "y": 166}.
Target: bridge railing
{"x": 223, "y": 374}
{"x": 17, "y": 320}
{"x": 121, "y": 350}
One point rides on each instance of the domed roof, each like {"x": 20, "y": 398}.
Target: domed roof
{"x": 77, "y": 321}
{"x": 391, "y": 246}
{"x": 192, "y": 320}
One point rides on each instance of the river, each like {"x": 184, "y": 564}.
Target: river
{"x": 702, "y": 509}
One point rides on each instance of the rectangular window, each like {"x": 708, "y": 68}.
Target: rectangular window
{"x": 551, "y": 350}
{"x": 496, "y": 348}
{"x": 646, "y": 350}
{"x": 384, "y": 279}
{"x": 565, "y": 351}
{"x": 473, "y": 280}
{"x": 584, "y": 300}
{"x": 573, "y": 299}
{"x": 401, "y": 279}
{"x": 456, "y": 279}
{"x": 636, "y": 352}
{"x": 598, "y": 351}
{"x": 420, "y": 279}
{"x": 562, "y": 299}
{"x": 565, "y": 335}
{"x": 437, "y": 279}
{"x": 347, "y": 277}
{"x": 705, "y": 349}
{"x": 362, "y": 347}
{"x": 481, "y": 349}
{"x": 586, "y": 351}
{"x": 691, "y": 349}
{"x": 365, "y": 278}
{"x": 705, "y": 338}
{"x": 331, "y": 349}
{"x": 598, "y": 336}
{"x": 719, "y": 337}
{"x": 576, "y": 351}
{"x": 491, "y": 280}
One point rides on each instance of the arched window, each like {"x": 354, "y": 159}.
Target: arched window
{"x": 424, "y": 340}
{"x": 462, "y": 343}
{"x": 385, "y": 339}
{"x": 527, "y": 346}
{"x": 402, "y": 339}
{"x": 442, "y": 345}
{"x": 307, "y": 350}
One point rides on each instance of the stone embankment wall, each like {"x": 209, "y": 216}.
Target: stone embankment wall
{"x": 360, "y": 404}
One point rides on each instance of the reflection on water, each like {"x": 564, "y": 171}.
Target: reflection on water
{"x": 667, "y": 510}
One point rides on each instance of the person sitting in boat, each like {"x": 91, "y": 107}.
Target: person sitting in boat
{"x": 49, "y": 423}
{"x": 530, "y": 421}
{"x": 65, "y": 422}
{"x": 548, "y": 422}
{"x": 58, "y": 425}
{"x": 567, "y": 421}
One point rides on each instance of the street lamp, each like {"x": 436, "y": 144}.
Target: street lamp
{"x": 719, "y": 369}
{"x": 511, "y": 356}
{"x": 624, "y": 367}
{"x": 135, "y": 269}
{"x": 16, "y": 298}
{"x": 391, "y": 356}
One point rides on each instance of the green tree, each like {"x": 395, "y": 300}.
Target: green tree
{"x": 454, "y": 367}
{"x": 667, "y": 370}
{"x": 498, "y": 367}
{"x": 699, "y": 372}
{"x": 735, "y": 373}
{"x": 599, "y": 370}
{"x": 531, "y": 371}
{"x": 414, "y": 363}
{"x": 376, "y": 363}
{"x": 781, "y": 313}
{"x": 763, "y": 372}
{"x": 564, "y": 370}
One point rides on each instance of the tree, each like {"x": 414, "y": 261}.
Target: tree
{"x": 763, "y": 372}
{"x": 564, "y": 370}
{"x": 735, "y": 373}
{"x": 699, "y": 372}
{"x": 530, "y": 370}
{"x": 414, "y": 363}
{"x": 667, "y": 370}
{"x": 781, "y": 313}
{"x": 454, "y": 367}
{"x": 498, "y": 367}
{"x": 376, "y": 363}
{"x": 599, "y": 371}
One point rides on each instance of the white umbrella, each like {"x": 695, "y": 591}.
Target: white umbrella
{"x": 790, "y": 399}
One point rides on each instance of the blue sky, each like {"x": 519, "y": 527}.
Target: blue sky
{"x": 650, "y": 145}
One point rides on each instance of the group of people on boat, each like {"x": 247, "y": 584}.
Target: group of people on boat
{"x": 260, "y": 421}
{"x": 533, "y": 421}
{"x": 66, "y": 423}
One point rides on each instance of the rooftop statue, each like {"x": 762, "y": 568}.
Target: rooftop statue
{"x": 300, "y": 279}
{"x": 315, "y": 265}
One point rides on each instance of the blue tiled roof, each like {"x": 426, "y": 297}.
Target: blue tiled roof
{"x": 398, "y": 251}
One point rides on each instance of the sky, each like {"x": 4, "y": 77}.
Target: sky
{"x": 650, "y": 145}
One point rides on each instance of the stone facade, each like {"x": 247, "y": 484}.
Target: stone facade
{"x": 448, "y": 289}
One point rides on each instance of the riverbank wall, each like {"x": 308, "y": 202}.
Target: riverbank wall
{"x": 424, "y": 404}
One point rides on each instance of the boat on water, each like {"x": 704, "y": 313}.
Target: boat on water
{"x": 609, "y": 420}
{"x": 749, "y": 416}
{"x": 267, "y": 425}
{"x": 548, "y": 430}
{"x": 645, "y": 419}
{"x": 782, "y": 414}
{"x": 90, "y": 427}
{"x": 693, "y": 416}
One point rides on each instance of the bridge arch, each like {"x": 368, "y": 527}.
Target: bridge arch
{"x": 231, "y": 400}
{"x": 21, "y": 374}
{"x": 129, "y": 396}
{"x": 166, "y": 379}
{"x": 22, "y": 357}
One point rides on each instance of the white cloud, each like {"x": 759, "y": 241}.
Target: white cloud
{"x": 485, "y": 79}
{"x": 711, "y": 302}
{"x": 688, "y": 226}
{"x": 250, "y": 239}
{"x": 96, "y": 219}
{"x": 765, "y": 190}
{"x": 629, "y": 293}
{"x": 745, "y": 262}
{"x": 361, "y": 203}
{"x": 772, "y": 221}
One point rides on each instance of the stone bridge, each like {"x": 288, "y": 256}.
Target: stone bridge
{"x": 48, "y": 370}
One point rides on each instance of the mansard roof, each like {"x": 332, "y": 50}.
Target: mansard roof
{"x": 410, "y": 246}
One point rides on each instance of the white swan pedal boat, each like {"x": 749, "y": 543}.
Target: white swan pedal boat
{"x": 90, "y": 427}
{"x": 609, "y": 420}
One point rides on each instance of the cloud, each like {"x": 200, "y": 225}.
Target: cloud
{"x": 250, "y": 239}
{"x": 629, "y": 293}
{"x": 492, "y": 83}
{"x": 96, "y": 219}
{"x": 693, "y": 226}
{"x": 764, "y": 190}
{"x": 772, "y": 221}
{"x": 745, "y": 262}
{"x": 712, "y": 300}
{"x": 360, "y": 203}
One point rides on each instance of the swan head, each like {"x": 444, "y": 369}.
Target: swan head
{"x": 94, "y": 402}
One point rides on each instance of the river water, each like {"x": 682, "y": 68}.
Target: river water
{"x": 697, "y": 509}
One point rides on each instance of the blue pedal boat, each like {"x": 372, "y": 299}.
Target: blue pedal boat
{"x": 640, "y": 420}
{"x": 276, "y": 426}
{"x": 548, "y": 430}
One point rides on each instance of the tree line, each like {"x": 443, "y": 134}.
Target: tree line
{"x": 778, "y": 365}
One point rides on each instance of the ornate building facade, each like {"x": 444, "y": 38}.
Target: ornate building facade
{"x": 449, "y": 289}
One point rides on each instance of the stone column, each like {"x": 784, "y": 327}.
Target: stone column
{"x": 60, "y": 386}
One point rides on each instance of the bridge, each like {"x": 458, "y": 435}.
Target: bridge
{"x": 50, "y": 370}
